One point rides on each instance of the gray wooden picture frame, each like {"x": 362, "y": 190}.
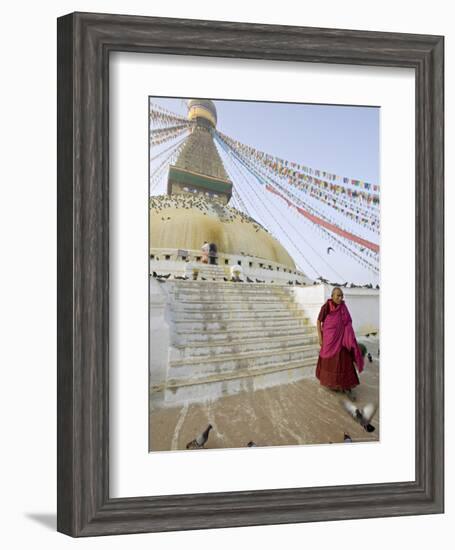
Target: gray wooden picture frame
{"x": 85, "y": 41}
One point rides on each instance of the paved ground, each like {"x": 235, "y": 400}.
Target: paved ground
{"x": 293, "y": 414}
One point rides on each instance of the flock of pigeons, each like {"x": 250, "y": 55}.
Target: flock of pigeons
{"x": 164, "y": 278}
{"x": 362, "y": 416}
{"x": 159, "y": 203}
{"x": 346, "y": 284}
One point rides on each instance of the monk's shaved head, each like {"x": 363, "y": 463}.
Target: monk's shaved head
{"x": 337, "y": 295}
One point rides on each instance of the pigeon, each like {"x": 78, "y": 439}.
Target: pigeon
{"x": 347, "y": 438}
{"x": 297, "y": 283}
{"x": 203, "y": 278}
{"x": 165, "y": 276}
{"x": 200, "y": 440}
{"x": 364, "y": 416}
{"x": 155, "y": 274}
{"x": 161, "y": 280}
{"x": 225, "y": 279}
{"x": 251, "y": 444}
{"x": 368, "y": 412}
{"x": 290, "y": 283}
{"x": 330, "y": 249}
{"x": 249, "y": 280}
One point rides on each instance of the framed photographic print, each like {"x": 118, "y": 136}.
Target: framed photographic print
{"x": 250, "y": 274}
{"x": 241, "y": 245}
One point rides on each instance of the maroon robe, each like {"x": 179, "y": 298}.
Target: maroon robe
{"x": 336, "y": 372}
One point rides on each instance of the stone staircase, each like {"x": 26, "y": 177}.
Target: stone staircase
{"x": 208, "y": 271}
{"x": 232, "y": 337}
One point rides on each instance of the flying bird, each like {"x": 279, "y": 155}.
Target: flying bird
{"x": 330, "y": 249}
{"x": 363, "y": 416}
{"x": 368, "y": 411}
{"x": 200, "y": 440}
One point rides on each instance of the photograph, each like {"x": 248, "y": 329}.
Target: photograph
{"x": 264, "y": 271}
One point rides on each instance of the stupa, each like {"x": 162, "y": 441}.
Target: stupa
{"x": 196, "y": 210}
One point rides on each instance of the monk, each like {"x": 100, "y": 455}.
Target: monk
{"x": 339, "y": 348}
{"x": 205, "y": 252}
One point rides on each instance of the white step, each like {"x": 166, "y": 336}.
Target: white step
{"x": 208, "y": 297}
{"x": 189, "y": 284}
{"x": 212, "y": 286}
{"x": 210, "y": 387}
{"x": 201, "y": 349}
{"x": 219, "y": 363}
{"x": 227, "y": 335}
{"x": 215, "y": 301}
{"x": 238, "y": 305}
{"x": 240, "y": 324}
{"x": 237, "y": 315}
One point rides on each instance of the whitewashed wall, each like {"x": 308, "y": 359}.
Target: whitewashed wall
{"x": 363, "y": 304}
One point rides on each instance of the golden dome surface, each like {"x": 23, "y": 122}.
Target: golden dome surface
{"x": 184, "y": 222}
{"x": 202, "y": 108}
